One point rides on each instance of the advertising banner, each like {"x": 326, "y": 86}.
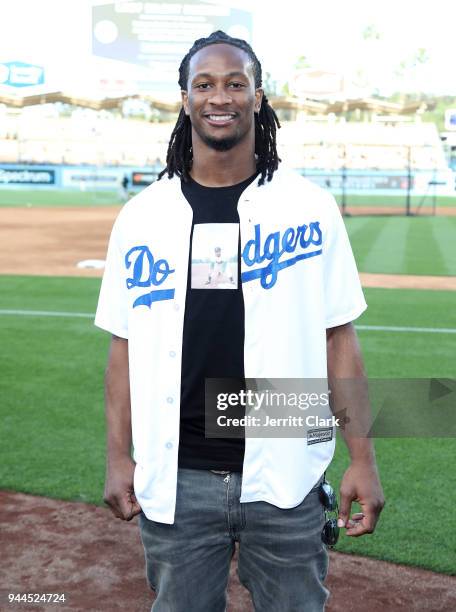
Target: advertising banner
{"x": 91, "y": 178}
{"x": 142, "y": 179}
{"x": 26, "y": 176}
{"x": 384, "y": 182}
{"x": 363, "y": 182}
{"x": 21, "y": 74}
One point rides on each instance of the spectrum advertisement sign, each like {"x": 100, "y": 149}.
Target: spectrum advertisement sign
{"x": 10, "y": 175}
{"x": 156, "y": 35}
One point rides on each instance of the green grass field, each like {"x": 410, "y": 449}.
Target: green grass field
{"x": 51, "y": 407}
{"x": 416, "y": 202}
{"x": 51, "y": 387}
{"x": 71, "y": 197}
{"x": 404, "y": 245}
{"x": 63, "y": 197}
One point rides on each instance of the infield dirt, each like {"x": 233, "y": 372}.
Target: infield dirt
{"x": 96, "y": 560}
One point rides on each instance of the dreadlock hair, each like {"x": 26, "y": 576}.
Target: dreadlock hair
{"x": 179, "y": 157}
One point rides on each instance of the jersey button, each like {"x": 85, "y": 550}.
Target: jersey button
{"x": 170, "y": 400}
{"x": 176, "y": 306}
{"x": 169, "y": 445}
{"x": 172, "y": 353}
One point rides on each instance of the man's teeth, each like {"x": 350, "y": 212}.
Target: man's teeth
{"x": 220, "y": 117}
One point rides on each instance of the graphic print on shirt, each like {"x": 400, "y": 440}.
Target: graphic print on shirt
{"x": 148, "y": 272}
{"x": 276, "y": 246}
{"x": 215, "y": 256}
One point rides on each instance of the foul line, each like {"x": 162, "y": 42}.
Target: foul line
{"x": 429, "y": 330}
{"x": 88, "y": 315}
{"x": 46, "y": 313}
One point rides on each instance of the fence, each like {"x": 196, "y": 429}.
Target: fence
{"x": 413, "y": 186}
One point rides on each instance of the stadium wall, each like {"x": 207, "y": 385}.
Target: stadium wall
{"x": 108, "y": 178}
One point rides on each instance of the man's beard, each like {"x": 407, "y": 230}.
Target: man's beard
{"x": 220, "y": 144}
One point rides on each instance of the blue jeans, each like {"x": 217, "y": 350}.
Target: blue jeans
{"x": 282, "y": 560}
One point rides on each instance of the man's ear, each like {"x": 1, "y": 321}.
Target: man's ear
{"x": 184, "y": 96}
{"x": 258, "y": 99}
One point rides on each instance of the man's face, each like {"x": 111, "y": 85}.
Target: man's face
{"x": 221, "y": 98}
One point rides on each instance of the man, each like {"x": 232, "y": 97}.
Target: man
{"x": 289, "y": 316}
{"x": 123, "y": 191}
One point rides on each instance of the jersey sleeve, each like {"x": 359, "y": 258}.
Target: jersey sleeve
{"x": 112, "y": 312}
{"x": 343, "y": 295}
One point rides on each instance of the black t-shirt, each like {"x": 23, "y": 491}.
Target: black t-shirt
{"x": 213, "y": 336}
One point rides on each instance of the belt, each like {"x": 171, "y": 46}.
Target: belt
{"x": 220, "y": 471}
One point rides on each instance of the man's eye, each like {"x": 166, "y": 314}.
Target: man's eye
{"x": 202, "y": 86}
{"x": 237, "y": 85}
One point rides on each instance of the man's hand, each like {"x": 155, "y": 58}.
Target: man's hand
{"x": 119, "y": 493}
{"x": 360, "y": 483}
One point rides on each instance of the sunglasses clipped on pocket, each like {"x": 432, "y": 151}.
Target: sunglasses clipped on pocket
{"x": 330, "y": 532}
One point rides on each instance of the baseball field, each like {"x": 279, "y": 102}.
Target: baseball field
{"x": 53, "y": 360}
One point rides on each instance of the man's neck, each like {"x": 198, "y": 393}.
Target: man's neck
{"x": 222, "y": 168}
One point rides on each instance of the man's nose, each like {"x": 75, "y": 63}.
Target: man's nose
{"x": 220, "y": 96}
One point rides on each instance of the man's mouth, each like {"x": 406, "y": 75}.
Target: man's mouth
{"x": 219, "y": 119}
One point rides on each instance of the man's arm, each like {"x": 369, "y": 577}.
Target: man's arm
{"x": 120, "y": 467}
{"x": 361, "y": 481}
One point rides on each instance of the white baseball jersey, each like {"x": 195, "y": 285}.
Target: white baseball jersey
{"x": 298, "y": 277}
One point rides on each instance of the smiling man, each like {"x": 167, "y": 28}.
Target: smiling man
{"x": 288, "y": 316}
